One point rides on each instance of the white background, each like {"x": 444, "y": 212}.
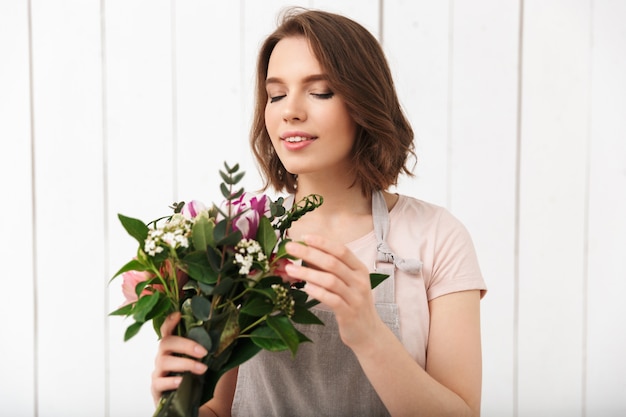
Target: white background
{"x": 124, "y": 106}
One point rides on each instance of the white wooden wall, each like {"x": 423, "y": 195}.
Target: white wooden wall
{"x": 110, "y": 106}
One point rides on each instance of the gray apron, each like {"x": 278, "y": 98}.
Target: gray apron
{"x": 325, "y": 377}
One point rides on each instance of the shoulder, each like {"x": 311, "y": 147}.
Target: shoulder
{"x": 412, "y": 211}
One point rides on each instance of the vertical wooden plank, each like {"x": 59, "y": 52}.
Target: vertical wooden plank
{"x": 555, "y": 129}
{"x": 606, "y": 311}
{"x": 366, "y": 12}
{"x": 17, "y": 351}
{"x": 416, "y": 36}
{"x": 211, "y": 126}
{"x": 140, "y": 166}
{"x": 483, "y": 122}
{"x": 68, "y": 207}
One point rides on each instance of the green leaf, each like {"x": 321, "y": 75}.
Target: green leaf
{"x": 303, "y": 315}
{"x": 132, "y": 265}
{"x": 219, "y": 231}
{"x": 266, "y": 338}
{"x": 202, "y": 233}
{"x": 144, "y": 306}
{"x": 230, "y": 239}
{"x": 214, "y": 257}
{"x": 244, "y": 350}
{"x": 124, "y": 310}
{"x": 199, "y": 268}
{"x": 376, "y": 279}
{"x": 284, "y": 328}
{"x": 132, "y": 330}
{"x": 201, "y": 307}
{"x": 258, "y": 306}
{"x": 266, "y": 236}
{"x": 232, "y": 170}
{"x": 200, "y": 335}
{"x": 135, "y": 227}
{"x": 163, "y": 308}
{"x": 225, "y": 191}
{"x": 224, "y": 286}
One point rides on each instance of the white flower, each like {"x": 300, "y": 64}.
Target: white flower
{"x": 250, "y": 253}
{"x": 173, "y": 234}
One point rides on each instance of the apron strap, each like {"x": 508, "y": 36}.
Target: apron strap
{"x": 386, "y": 260}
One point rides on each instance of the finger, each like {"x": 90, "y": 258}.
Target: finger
{"x": 181, "y": 345}
{"x": 167, "y": 364}
{"x": 333, "y": 248}
{"x": 321, "y": 294}
{"x": 160, "y": 385}
{"x": 168, "y": 326}
{"x": 318, "y": 259}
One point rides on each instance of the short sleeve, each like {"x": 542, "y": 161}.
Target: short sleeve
{"x": 455, "y": 265}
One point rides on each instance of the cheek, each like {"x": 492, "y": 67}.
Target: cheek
{"x": 271, "y": 120}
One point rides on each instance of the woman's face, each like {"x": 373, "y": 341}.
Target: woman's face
{"x": 310, "y": 127}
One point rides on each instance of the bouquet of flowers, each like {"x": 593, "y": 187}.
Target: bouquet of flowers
{"x": 223, "y": 268}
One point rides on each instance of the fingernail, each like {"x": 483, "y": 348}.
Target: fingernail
{"x": 200, "y": 367}
{"x": 200, "y": 350}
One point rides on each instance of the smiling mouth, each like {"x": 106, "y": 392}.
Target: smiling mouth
{"x": 296, "y": 139}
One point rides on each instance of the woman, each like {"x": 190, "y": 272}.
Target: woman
{"x": 328, "y": 122}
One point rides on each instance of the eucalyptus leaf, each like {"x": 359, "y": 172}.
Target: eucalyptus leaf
{"x": 225, "y": 191}
{"x": 201, "y": 307}
{"x": 200, "y": 335}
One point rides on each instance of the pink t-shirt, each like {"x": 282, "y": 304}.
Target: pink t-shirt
{"x": 429, "y": 233}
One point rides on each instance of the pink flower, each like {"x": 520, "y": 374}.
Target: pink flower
{"x": 192, "y": 209}
{"x": 131, "y": 279}
{"x": 247, "y": 211}
{"x": 279, "y": 269}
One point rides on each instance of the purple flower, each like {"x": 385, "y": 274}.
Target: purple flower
{"x": 192, "y": 209}
{"x": 246, "y": 212}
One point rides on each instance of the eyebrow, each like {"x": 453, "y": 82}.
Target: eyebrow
{"x": 306, "y": 80}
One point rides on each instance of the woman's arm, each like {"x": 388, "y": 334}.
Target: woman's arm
{"x": 451, "y": 383}
{"x": 221, "y": 403}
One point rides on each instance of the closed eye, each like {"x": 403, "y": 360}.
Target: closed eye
{"x": 324, "y": 96}
{"x": 276, "y": 98}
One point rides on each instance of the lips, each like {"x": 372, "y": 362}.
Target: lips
{"x": 295, "y": 141}
{"x": 296, "y": 137}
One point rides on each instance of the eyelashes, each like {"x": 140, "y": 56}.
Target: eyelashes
{"x": 322, "y": 96}
{"x": 325, "y": 96}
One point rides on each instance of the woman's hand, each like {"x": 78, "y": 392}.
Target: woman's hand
{"x": 168, "y": 359}
{"x": 336, "y": 277}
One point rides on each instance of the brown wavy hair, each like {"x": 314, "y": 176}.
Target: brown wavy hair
{"x": 357, "y": 70}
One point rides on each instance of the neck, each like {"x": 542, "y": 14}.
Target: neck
{"x": 338, "y": 196}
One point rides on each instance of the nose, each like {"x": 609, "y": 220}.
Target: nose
{"x": 294, "y": 109}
